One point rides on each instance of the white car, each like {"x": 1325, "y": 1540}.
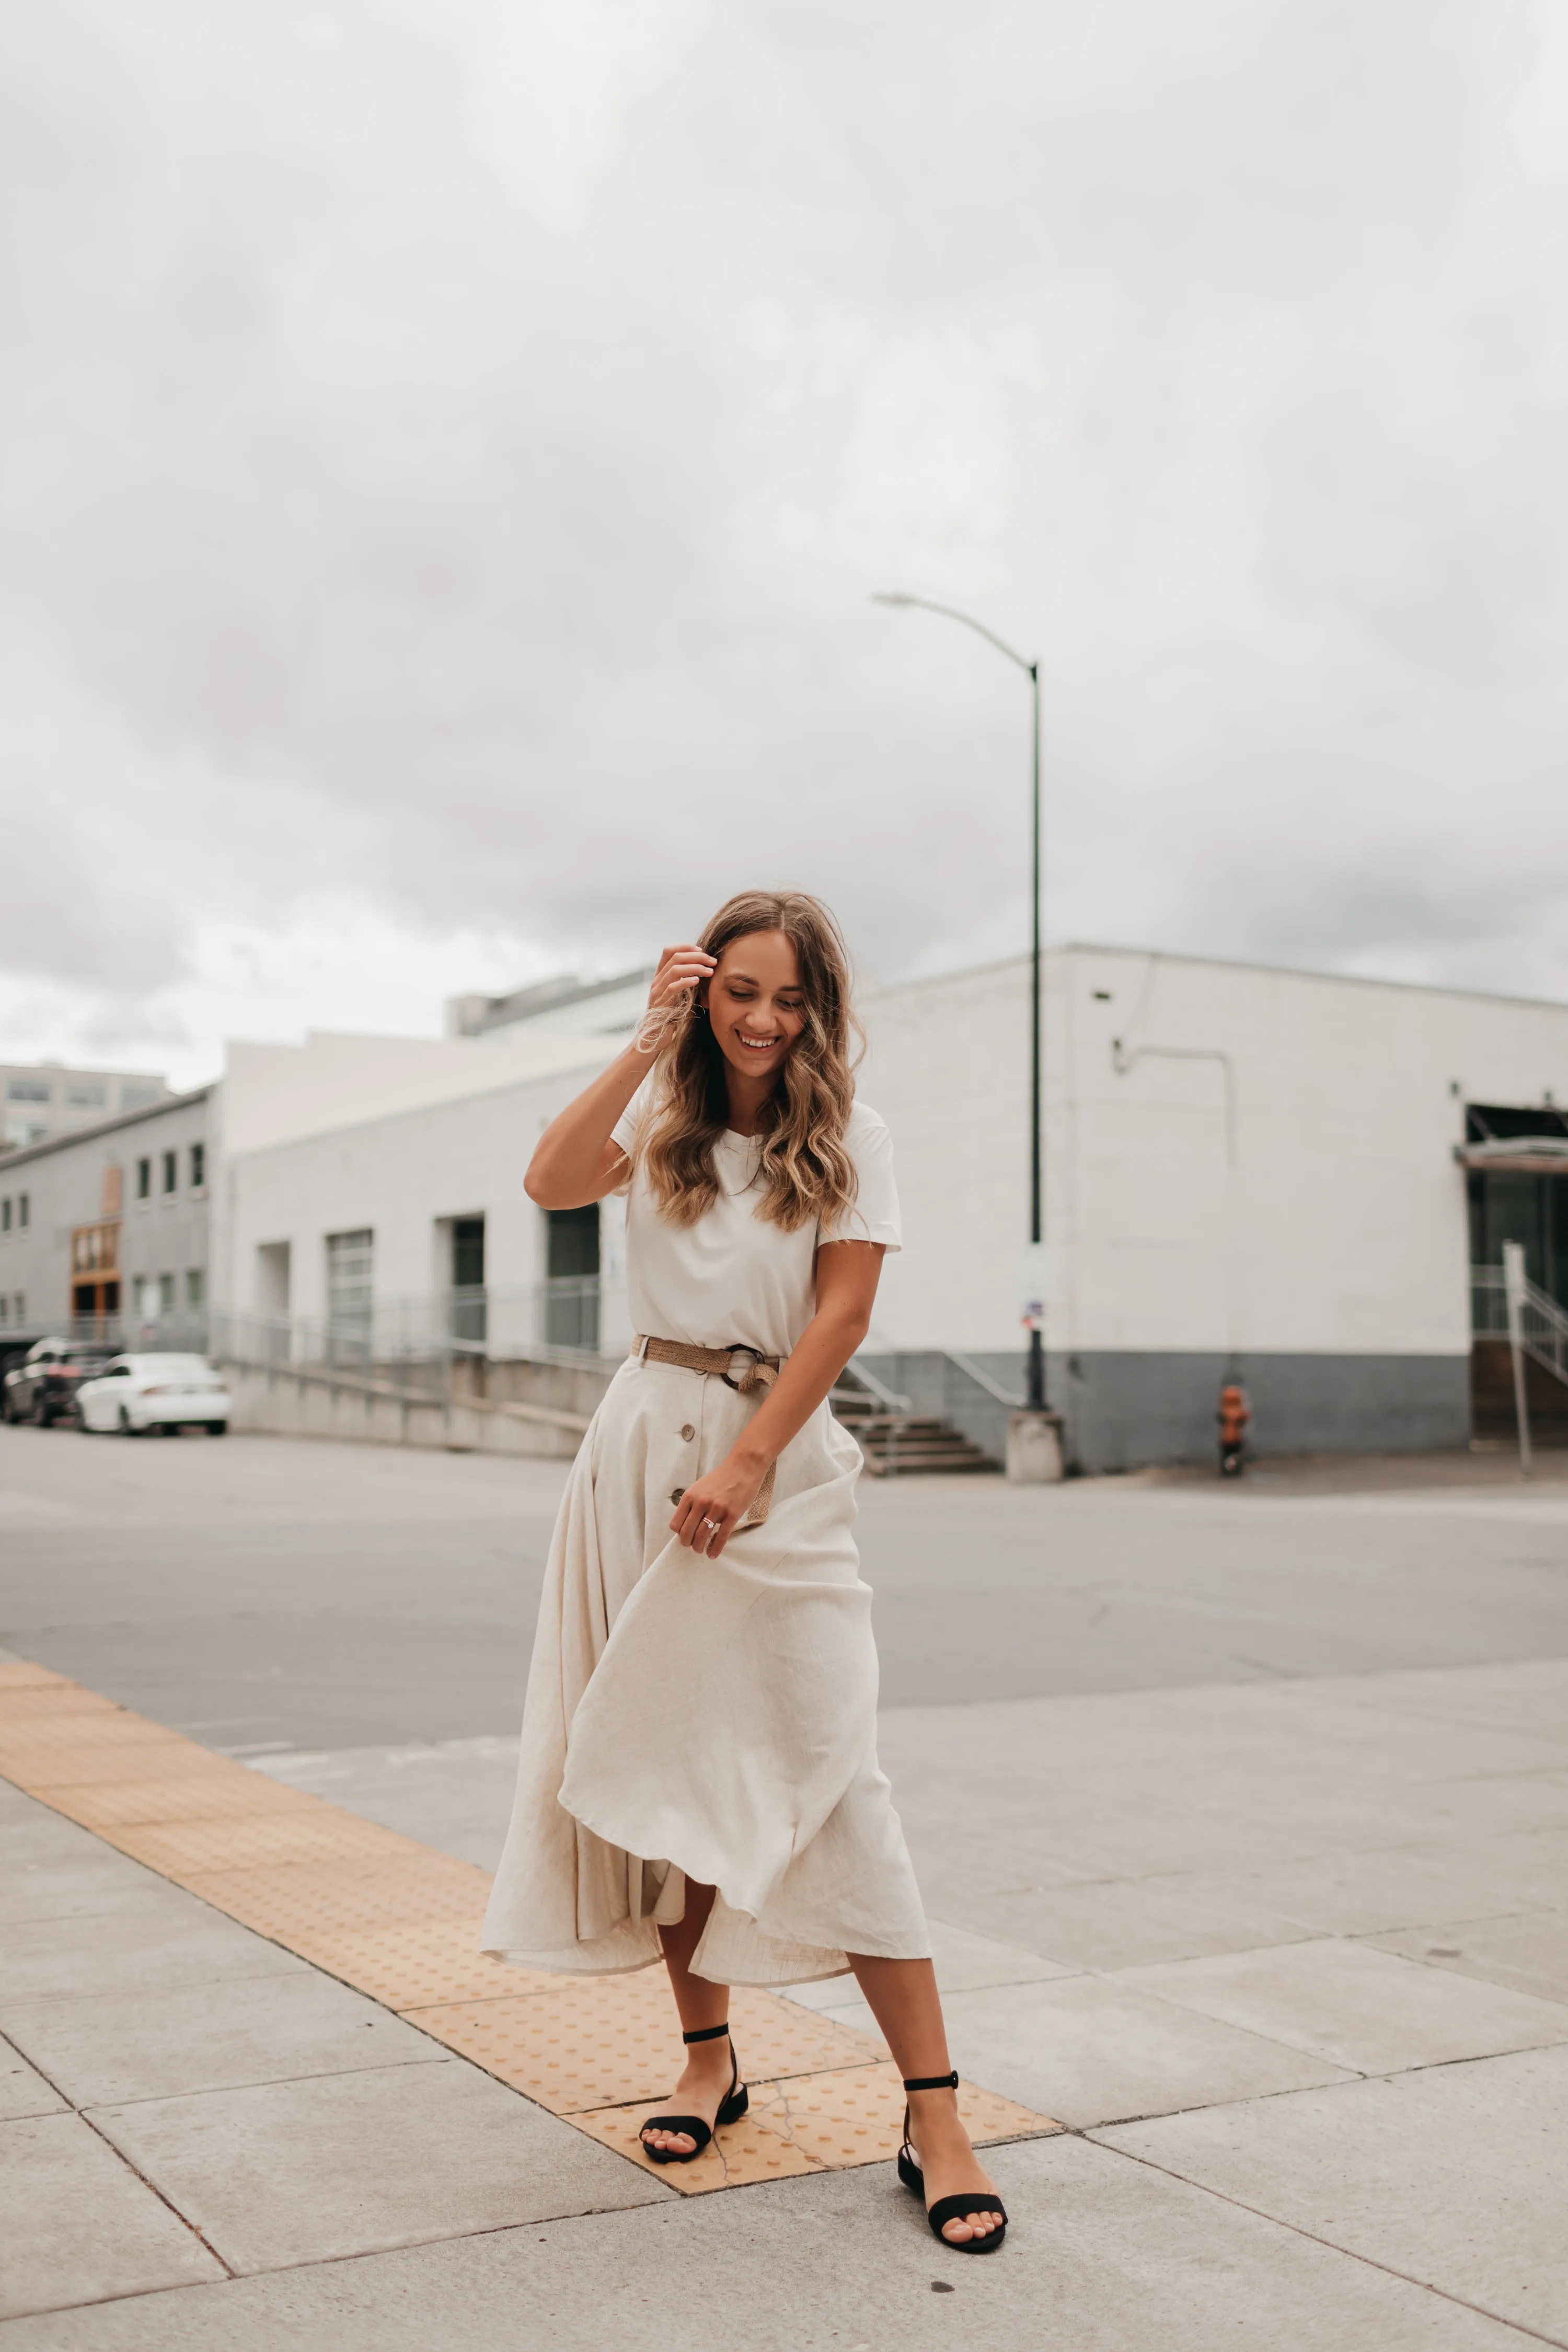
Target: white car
{"x": 137, "y": 1393}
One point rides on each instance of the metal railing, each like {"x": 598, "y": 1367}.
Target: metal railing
{"x": 1544, "y": 1325}
{"x": 1011, "y": 1398}
{"x": 568, "y": 1320}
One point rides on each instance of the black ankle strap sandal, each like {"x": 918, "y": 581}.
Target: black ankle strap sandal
{"x": 730, "y": 2109}
{"x": 947, "y": 2209}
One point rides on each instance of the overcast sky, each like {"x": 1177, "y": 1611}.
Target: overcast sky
{"x": 446, "y": 452}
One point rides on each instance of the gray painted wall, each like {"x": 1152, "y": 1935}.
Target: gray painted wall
{"x": 1122, "y": 1410}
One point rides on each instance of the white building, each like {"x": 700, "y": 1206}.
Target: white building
{"x": 1249, "y": 1173}
{"x": 41, "y": 1099}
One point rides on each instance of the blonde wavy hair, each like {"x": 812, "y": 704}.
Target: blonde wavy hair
{"x": 805, "y": 1172}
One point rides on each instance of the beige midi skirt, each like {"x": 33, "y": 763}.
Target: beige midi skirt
{"x": 709, "y": 1719}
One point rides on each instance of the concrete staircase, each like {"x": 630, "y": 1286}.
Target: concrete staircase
{"x": 897, "y": 1443}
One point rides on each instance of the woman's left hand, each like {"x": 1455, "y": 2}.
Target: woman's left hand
{"x": 713, "y": 1506}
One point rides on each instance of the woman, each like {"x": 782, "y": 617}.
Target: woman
{"x": 699, "y": 1775}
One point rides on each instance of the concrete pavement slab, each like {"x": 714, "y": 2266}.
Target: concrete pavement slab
{"x": 1355, "y": 2006}
{"x": 23, "y": 2090}
{"x": 177, "y": 1942}
{"x": 1457, "y": 2175}
{"x": 1103, "y": 2255}
{"x": 1373, "y": 1890}
{"x": 122, "y": 2047}
{"x": 84, "y": 1881}
{"x": 79, "y": 2225}
{"x": 454, "y": 1794}
{"x": 345, "y": 2164}
{"x": 1127, "y": 1922}
{"x": 1527, "y": 1950}
{"x": 1086, "y": 2049}
{"x": 963, "y": 1962}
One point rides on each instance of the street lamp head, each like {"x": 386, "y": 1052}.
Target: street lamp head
{"x": 891, "y": 596}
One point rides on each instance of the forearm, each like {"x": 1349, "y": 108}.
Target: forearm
{"x": 830, "y": 1338}
{"x": 567, "y": 1169}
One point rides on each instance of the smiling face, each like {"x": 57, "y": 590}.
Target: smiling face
{"x": 755, "y": 1006}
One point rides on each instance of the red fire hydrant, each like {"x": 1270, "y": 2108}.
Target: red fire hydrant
{"x": 1233, "y": 1416}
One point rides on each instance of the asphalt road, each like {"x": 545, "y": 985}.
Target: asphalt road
{"x": 264, "y": 1593}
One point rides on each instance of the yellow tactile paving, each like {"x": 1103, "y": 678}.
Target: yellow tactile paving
{"x": 23, "y": 1674}
{"x": 580, "y": 2042}
{"x": 47, "y": 1702}
{"x": 187, "y": 1797}
{"x": 753, "y": 2149}
{"x": 258, "y": 1841}
{"x": 856, "y": 2115}
{"x": 401, "y": 1922}
{"x": 411, "y": 1968}
{"x": 337, "y": 1897}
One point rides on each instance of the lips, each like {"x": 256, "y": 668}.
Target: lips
{"x": 758, "y": 1045}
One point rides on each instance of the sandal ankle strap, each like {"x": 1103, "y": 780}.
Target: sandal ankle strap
{"x": 716, "y": 2033}
{"x": 930, "y": 2082}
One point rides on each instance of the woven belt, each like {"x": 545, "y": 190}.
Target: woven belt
{"x": 759, "y": 1371}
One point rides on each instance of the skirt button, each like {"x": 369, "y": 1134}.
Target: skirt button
{"x": 686, "y": 1432}
{"x": 676, "y": 1493}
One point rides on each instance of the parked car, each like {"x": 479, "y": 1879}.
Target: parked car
{"x": 135, "y": 1395}
{"x": 42, "y": 1386}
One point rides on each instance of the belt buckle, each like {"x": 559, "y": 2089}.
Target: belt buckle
{"x": 757, "y": 1356}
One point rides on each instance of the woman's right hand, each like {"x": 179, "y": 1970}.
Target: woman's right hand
{"x": 680, "y": 972}
{"x": 680, "y": 969}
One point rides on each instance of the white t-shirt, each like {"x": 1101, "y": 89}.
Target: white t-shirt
{"x": 733, "y": 1279}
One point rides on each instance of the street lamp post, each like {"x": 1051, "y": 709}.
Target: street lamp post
{"x": 1036, "y": 1393}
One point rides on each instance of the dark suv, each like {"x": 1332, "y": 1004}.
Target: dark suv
{"x": 43, "y": 1386}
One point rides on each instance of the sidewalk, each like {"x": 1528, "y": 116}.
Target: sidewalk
{"x": 1290, "y": 1962}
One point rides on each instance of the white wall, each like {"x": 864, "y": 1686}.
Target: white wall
{"x": 1341, "y": 1226}
{"x": 277, "y": 1093}
{"x": 399, "y": 1175}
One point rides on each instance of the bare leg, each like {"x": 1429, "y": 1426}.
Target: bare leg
{"x": 707, "y": 2077}
{"x": 903, "y": 1998}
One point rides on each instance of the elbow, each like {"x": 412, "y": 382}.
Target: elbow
{"x": 536, "y": 1183}
{"x": 853, "y": 1324}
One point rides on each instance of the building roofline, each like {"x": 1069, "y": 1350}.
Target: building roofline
{"x": 1219, "y": 963}
{"x": 25, "y": 1154}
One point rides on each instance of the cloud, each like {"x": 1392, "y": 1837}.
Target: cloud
{"x": 449, "y": 450}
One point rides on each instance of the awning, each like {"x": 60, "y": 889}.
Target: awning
{"x": 1517, "y": 1155}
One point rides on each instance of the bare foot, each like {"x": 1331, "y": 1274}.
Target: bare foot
{"x": 941, "y": 2150}
{"x": 702, "y": 2089}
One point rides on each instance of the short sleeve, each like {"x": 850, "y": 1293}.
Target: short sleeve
{"x": 874, "y": 1214}
{"x": 625, "y": 1130}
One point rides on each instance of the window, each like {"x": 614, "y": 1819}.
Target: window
{"x": 134, "y": 1097}
{"x": 171, "y": 1172}
{"x": 165, "y": 1294}
{"x": 20, "y": 1303}
{"x": 468, "y": 1279}
{"x": 86, "y": 1094}
{"x": 24, "y": 1209}
{"x": 195, "y": 1287}
{"x": 4, "y": 1216}
{"x": 572, "y": 1267}
{"x": 198, "y": 1166}
{"x": 143, "y": 1180}
{"x": 468, "y": 1253}
{"x": 28, "y": 1091}
{"x": 5, "y": 1303}
{"x": 350, "y": 1273}
{"x": 146, "y": 1299}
